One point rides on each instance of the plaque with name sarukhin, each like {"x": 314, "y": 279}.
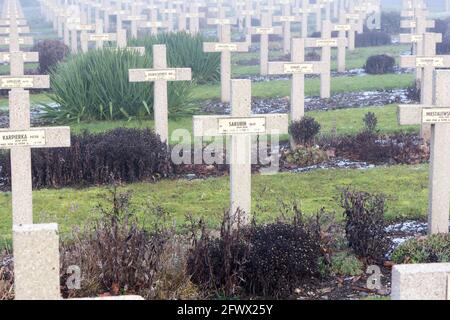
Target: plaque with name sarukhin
{"x": 436, "y": 115}
{"x": 229, "y": 126}
{"x": 22, "y": 138}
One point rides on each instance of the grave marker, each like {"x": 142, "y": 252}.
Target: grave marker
{"x": 160, "y": 75}
{"x": 240, "y": 125}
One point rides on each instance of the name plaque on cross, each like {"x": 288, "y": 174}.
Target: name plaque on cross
{"x": 265, "y": 30}
{"x": 22, "y": 138}
{"x": 342, "y": 27}
{"x": 430, "y": 61}
{"x": 416, "y": 38}
{"x": 99, "y": 37}
{"x": 327, "y": 42}
{"x": 226, "y": 46}
{"x": 230, "y": 126}
{"x": 436, "y": 115}
{"x": 10, "y": 83}
{"x": 158, "y": 75}
{"x": 294, "y": 68}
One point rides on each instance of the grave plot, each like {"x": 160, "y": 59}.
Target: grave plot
{"x": 306, "y": 138}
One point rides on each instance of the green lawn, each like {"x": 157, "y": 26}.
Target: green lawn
{"x": 406, "y": 187}
{"x": 354, "y": 60}
{"x": 344, "y": 121}
{"x": 281, "y": 88}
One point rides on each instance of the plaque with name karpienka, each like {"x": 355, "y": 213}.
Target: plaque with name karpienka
{"x": 11, "y": 83}
{"x": 295, "y": 68}
{"x": 22, "y": 138}
{"x": 161, "y": 75}
{"x": 229, "y": 126}
{"x": 436, "y": 115}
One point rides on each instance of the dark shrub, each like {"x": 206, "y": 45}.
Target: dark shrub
{"x": 390, "y": 22}
{"x": 370, "y": 122}
{"x": 432, "y": 249}
{"x": 283, "y": 257}
{"x": 380, "y": 64}
{"x": 115, "y": 254}
{"x": 217, "y": 263}
{"x": 304, "y": 131}
{"x": 402, "y": 148}
{"x": 444, "y": 47}
{"x": 51, "y": 52}
{"x": 127, "y": 155}
{"x": 443, "y": 27}
{"x": 372, "y": 39}
{"x": 264, "y": 260}
{"x": 312, "y": 56}
{"x": 413, "y": 92}
{"x": 365, "y": 224}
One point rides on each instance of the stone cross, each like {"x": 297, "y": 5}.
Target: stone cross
{"x": 194, "y": 18}
{"x": 247, "y": 13}
{"x": 438, "y": 116}
{"x": 305, "y": 11}
{"x": 286, "y": 19}
{"x": 154, "y": 24}
{"x": 240, "y": 125}
{"x": 221, "y": 21}
{"x": 298, "y": 68}
{"x": 326, "y": 43}
{"x": 135, "y": 19}
{"x": 160, "y": 75}
{"x": 225, "y": 47}
{"x": 169, "y": 11}
{"x": 264, "y": 31}
{"x": 425, "y": 65}
{"x": 343, "y": 29}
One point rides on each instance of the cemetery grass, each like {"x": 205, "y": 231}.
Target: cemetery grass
{"x": 355, "y": 60}
{"x": 405, "y": 186}
{"x": 342, "y": 122}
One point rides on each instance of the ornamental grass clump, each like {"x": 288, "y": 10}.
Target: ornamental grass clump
{"x": 185, "y": 51}
{"x": 95, "y": 86}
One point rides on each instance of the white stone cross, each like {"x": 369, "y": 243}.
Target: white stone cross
{"x": 286, "y": 19}
{"x": 240, "y": 125}
{"x": 194, "y": 18}
{"x": 438, "y": 116}
{"x": 326, "y": 43}
{"x": 154, "y": 24}
{"x": 298, "y": 68}
{"x": 225, "y": 47}
{"x": 304, "y": 12}
{"x": 264, "y": 31}
{"x": 160, "y": 75}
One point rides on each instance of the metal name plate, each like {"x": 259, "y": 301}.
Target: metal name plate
{"x": 229, "y": 126}
{"x": 160, "y": 75}
{"x": 436, "y": 115}
{"x": 294, "y": 68}
{"x": 22, "y": 138}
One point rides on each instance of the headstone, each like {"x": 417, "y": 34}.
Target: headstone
{"x": 240, "y": 125}
{"x": 225, "y": 47}
{"x": 438, "y": 116}
{"x": 160, "y": 75}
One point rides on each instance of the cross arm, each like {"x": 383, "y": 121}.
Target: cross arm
{"x": 21, "y": 40}
{"x": 27, "y": 56}
{"x": 297, "y": 68}
{"x": 410, "y": 114}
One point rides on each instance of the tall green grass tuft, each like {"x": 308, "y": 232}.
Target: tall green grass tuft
{"x": 185, "y": 51}
{"x": 95, "y": 86}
